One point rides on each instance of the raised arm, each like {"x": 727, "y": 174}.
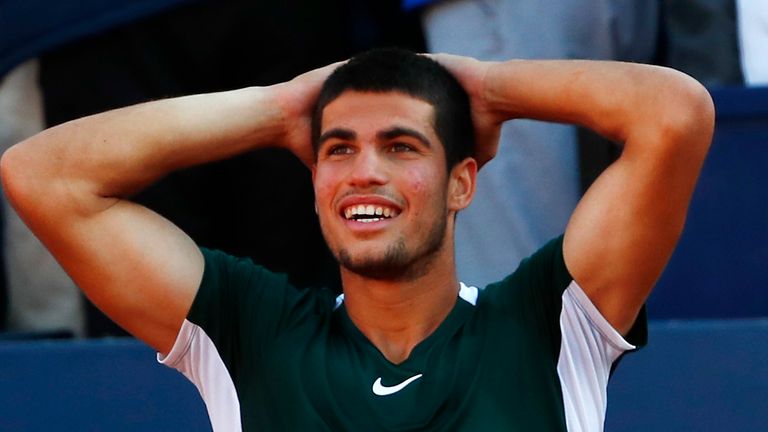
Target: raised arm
{"x": 71, "y": 185}
{"x": 626, "y": 226}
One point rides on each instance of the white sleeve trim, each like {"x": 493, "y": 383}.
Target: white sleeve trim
{"x": 589, "y": 346}
{"x": 602, "y": 325}
{"x": 180, "y": 345}
{"x": 196, "y": 357}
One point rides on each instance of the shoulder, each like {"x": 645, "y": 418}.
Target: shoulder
{"x": 238, "y": 280}
{"x": 222, "y": 268}
{"x": 542, "y": 273}
{"x": 241, "y": 287}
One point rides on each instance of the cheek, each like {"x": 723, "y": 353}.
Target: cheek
{"x": 321, "y": 192}
{"x": 323, "y": 185}
{"x": 323, "y": 202}
{"x": 419, "y": 180}
{"x": 426, "y": 187}
{"x": 432, "y": 176}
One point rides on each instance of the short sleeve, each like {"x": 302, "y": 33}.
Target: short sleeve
{"x": 541, "y": 300}
{"x": 240, "y": 306}
{"x": 532, "y": 295}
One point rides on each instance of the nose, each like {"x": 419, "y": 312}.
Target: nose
{"x": 368, "y": 168}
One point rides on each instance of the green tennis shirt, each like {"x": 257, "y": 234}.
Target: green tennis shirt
{"x": 529, "y": 353}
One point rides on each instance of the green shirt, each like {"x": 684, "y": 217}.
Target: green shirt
{"x": 529, "y": 353}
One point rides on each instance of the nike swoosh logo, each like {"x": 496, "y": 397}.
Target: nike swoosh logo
{"x": 382, "y": 390}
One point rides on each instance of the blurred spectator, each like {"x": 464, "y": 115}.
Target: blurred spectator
{"x": 699, "y": 37}
{"x": 42, "y": 296}
{"x": 753, "y": 35}
{"x": 505, "y": 223}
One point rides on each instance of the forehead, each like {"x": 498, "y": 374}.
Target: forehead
{"x": 359, "y": 110}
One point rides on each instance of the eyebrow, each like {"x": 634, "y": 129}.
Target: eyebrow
{"x": 398, "y": 131}
{"x": 385, "y": 135}
{"x": 342, "y": 134}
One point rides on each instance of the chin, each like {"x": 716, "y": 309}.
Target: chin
{"x": 387, "y": 264}
{"x": 395, "y": 264}
{"x": 391, "y": 259}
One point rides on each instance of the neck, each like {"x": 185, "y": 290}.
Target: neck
{"x": 396, "y": 315}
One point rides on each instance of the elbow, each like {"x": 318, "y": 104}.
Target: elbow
{"x": 694, "y": 110}
{"x": 11, "y": 169}
{"x": 687, "y": 120}
{"x": 21, "y": 174}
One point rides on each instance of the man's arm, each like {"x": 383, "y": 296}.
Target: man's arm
{"x": 71, "y": 185}
{"x": 626, "y": 226}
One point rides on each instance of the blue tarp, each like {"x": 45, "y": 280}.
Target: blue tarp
{"x": 720, "y": 266}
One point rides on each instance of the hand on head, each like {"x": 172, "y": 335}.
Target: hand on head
{"x": 296, "y": 98}
{"x": 472, "y": 75}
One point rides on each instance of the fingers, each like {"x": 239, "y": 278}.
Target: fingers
{"x": 471, "y": 74}
{"x": 296, "y": 99}
{"x": 458, "y": 65}
{"x": 487, "y": 144}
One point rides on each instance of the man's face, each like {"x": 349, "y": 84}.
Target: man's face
{"x": 381, "y": 184}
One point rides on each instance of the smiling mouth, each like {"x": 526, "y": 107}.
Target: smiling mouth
{"x": 368, "y": 213}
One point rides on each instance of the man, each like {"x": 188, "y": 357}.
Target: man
{"x": 407, "y": 347}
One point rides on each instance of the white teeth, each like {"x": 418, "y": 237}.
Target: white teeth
{"x": 369, "y": 210}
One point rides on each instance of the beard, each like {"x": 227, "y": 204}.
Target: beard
{"x": 397, "y": 263}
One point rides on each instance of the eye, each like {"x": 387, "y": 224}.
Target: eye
{"x": 401, "y": 147}
{"x": 339, "y": 149}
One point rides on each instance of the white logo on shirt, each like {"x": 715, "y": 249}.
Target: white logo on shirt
{"x": 382, "y": 390}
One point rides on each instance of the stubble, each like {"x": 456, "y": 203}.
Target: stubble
{"x": 397, "y": 263}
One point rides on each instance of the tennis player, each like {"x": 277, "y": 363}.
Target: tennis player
{"x": 394, "y": 141}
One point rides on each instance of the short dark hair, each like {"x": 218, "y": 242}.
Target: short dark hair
{"x": 397, "y": 70}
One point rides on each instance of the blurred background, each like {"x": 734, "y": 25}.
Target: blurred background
{"x": 706, "y": 365}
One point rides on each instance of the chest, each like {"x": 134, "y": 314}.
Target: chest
{"x": 480, "y": 376}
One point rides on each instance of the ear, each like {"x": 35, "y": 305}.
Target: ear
{"x": 461, "y": 184}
